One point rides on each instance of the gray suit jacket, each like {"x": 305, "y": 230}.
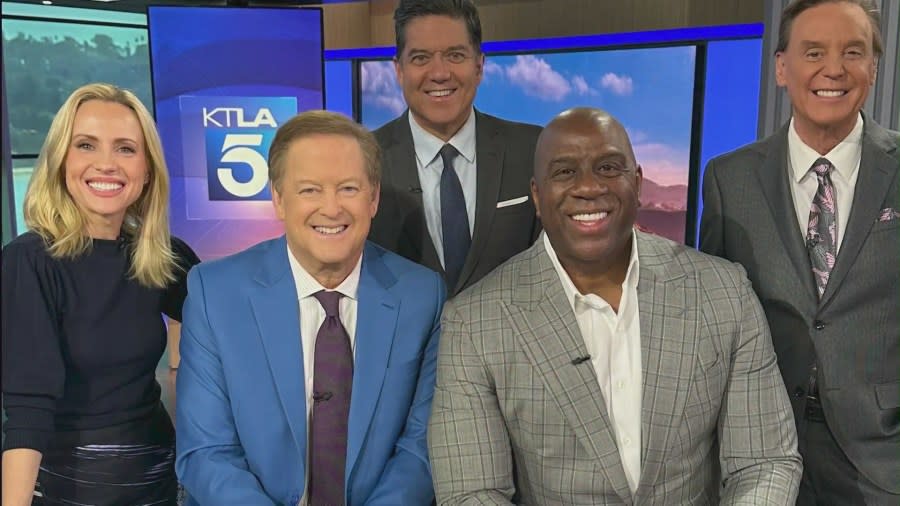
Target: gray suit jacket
{"x": 505, "y": 162}
{"x": 514, "y": 420}
{"x": 854, "y": 331}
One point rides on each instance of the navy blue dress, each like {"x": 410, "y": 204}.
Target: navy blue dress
{"x": 81, "y": 342}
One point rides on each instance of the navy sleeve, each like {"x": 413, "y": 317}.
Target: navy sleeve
{"x": 173, "y": 299}
{"x": 33, "y": 368}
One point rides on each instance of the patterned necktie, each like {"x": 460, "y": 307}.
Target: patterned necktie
{"x": 454, "y": 219}
{"x": 821, "y": 231}
{"x": 332, "y": 381}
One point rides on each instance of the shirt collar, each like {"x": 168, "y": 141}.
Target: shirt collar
{"x": 307, "y": 284}
{"x": 845, "y": 156}
{"x": 428, "y": 146}
{"x": 572, "y": 293}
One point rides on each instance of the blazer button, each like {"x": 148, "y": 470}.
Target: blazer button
{"x": 799, "y": 393}
{"x": 819, "y": 324}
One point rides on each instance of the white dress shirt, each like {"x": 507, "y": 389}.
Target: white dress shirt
{"x": 312, "y": 314}
{"x": 613, "y": 341}
{"x": 845, "y": 158}
{"x": 429, "y": 164}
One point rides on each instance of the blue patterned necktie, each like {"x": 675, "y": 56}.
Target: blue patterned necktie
{"x": 332, "y": 382}
{"x": 822, "y": 228}
{"x": 454, "y": 219}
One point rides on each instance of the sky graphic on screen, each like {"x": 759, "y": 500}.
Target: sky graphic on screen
{"x": 650, "y": 90}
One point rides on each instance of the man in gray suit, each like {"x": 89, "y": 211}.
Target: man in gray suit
{"x": 605, "y": 365}
{"x": 465, "y": 221}
{"x": 812, "y": 214}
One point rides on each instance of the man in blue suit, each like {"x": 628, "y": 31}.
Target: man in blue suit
{"x": 308, "y": 361}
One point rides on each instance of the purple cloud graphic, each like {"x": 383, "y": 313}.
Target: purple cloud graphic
{"x": 492, "y": 69}
{"x": 379, "y": 85}
{"x": 582, "y": 87}
{"x": 618, "y": 84}
{"x": 538, "y": 79}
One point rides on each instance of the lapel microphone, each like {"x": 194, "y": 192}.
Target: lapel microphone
{"x": 413, "y": 189}
{"x": 319, "y": 397}
{"x": 579, "y": 360}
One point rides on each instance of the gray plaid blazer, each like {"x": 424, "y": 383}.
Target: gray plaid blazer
{"x": 514, "y": 421}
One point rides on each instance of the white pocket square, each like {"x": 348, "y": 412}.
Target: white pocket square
{"x": 512, "y": 202}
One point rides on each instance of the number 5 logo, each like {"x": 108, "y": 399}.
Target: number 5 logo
{"x": 239, "y": 149}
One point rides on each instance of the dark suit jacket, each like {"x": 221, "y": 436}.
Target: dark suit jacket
{"x": 854, "y": 331}
{"x": 504, "y": 160}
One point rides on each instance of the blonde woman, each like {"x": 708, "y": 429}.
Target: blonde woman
{"x": 82, "y": 296}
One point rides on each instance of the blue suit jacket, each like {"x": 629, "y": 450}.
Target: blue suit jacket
{"x": 241, "y": 410}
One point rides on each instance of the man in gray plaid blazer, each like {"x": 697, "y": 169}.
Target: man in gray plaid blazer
{"x": 605, "y": 365}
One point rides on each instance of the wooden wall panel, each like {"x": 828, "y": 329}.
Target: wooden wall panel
{"x": 717, "y": 12}
{"x": 382, "y": 22}
{"x": 526, "y": 19}
{"x": 347, "y": 25}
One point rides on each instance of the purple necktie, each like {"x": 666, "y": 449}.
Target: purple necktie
{"x": 821, "y": 231}
{"x": 332, "y": 382}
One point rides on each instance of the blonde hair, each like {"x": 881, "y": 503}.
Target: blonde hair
{"x": 323, "y": 122}
{"x": 51, "y": 212}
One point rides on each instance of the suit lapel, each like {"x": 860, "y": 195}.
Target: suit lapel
{"x": 489, "y": 172}
{"x": 277, "y": 312}
{"x": 376, "y": 322}
{"x": 550, "y": 338}
{"x": 876, "y": 171}
{"x": 776, "y": 185}
{"x": 400, "y": 156}
{"x": 668, "y": 319}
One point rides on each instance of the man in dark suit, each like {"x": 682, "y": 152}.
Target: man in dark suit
{"x": 812, "y": 214}
{"x": 465, "y": 221}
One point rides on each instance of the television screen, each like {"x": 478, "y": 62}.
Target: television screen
{"x": 222, "y": 87}
{"x": 730, "y": 104}
{"x": 649, "y": 89}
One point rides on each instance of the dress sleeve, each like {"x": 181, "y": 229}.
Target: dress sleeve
{"x": 33, "y": 367}
{"x": 173, "y": 299}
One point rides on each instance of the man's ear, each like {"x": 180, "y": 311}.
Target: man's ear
{"x": 376, "y": 198}
{"x": 397, "y": 68}
{"x": 479, "y": 66}
{"x": 534, "y": 197}
{"x": 779, "y": 69}
{"x": 277, "y": 203}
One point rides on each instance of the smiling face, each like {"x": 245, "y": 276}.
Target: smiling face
{"x": 586, "y": 187}
{"x": 827, "y": 68}
{"x": 327, "y": 204}
{"x": 439, "y": 72}
{"x": 106, "y": 165}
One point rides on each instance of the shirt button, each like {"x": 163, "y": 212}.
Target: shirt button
{"x": 799, "y": 393}
{"x": 627, "y": 441}
{"x": 620, "y": 384}
{"x": 819, "y": 324}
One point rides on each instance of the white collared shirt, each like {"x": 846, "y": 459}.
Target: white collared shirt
{"x": 613, "y": 341}
{"x": 312, "y": 314}
{"x": 845, "y": 157}
{"x": 429, "y": 164}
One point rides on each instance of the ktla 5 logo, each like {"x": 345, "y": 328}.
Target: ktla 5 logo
{"x": 237, "y": 146}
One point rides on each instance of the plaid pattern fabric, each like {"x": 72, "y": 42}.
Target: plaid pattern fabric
{"x": 515, "y": 420}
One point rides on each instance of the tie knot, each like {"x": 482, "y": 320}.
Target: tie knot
{"x": 330, "y": 302}
{"x": 822, "y": 167}
{"x": 448, "y": 153}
